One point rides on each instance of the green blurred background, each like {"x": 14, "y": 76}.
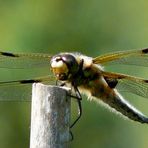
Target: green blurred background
{"x": 91, "y": 27}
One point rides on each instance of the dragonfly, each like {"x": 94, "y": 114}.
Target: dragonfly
{"x": 84, "y": 74}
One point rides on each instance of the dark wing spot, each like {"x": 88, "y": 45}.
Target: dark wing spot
{"x": 146, "y": 81}
{"x": 29, "y": 81}
{"x": 145, "y": 51}
{"x": 111, "y": 82}
{"x": 8, "y": 54}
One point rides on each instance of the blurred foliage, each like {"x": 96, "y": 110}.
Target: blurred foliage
{"x": 91, "y": 27}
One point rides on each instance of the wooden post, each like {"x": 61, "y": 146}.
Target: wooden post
{"x": 50, "y": 117}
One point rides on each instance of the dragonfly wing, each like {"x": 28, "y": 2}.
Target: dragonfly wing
{"x": 15, "y": 93}
{"x": 130, "y": 57}
{"x": 140, "y": 89}
{"x": 20, "y": 90}
{"x": 127, "y": 83}
{"x": 22, "y": 61}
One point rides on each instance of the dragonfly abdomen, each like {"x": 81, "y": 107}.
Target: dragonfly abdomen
{"x": 120, "y": 105}
{"x": 114, "y": 100}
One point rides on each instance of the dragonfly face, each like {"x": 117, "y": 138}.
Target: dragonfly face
{"x": 64, "y": 66}
{"x": 85, "y": 74}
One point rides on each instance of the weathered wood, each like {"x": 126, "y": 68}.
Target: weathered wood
{"x": 50, "y": 117}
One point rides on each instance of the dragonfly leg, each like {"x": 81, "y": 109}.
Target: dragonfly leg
{"x": 60, "y": 83}
{"x": 78, "y": 98}
{"x": 71, "y": 134}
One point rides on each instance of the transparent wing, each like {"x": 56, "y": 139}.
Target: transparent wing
{"x": 127, "y": 83}
{"x": 20, "y": 90}
{"x": 22, "y": 61}
{"x": 15, "y": 93}
{"x": 130, "y": 57}
{"x": 140, "y": 89}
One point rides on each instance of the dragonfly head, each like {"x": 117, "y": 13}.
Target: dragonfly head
{"x": 64, "y": 66}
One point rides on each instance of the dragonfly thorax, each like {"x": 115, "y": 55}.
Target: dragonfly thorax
{"x": 64, "y": 66}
